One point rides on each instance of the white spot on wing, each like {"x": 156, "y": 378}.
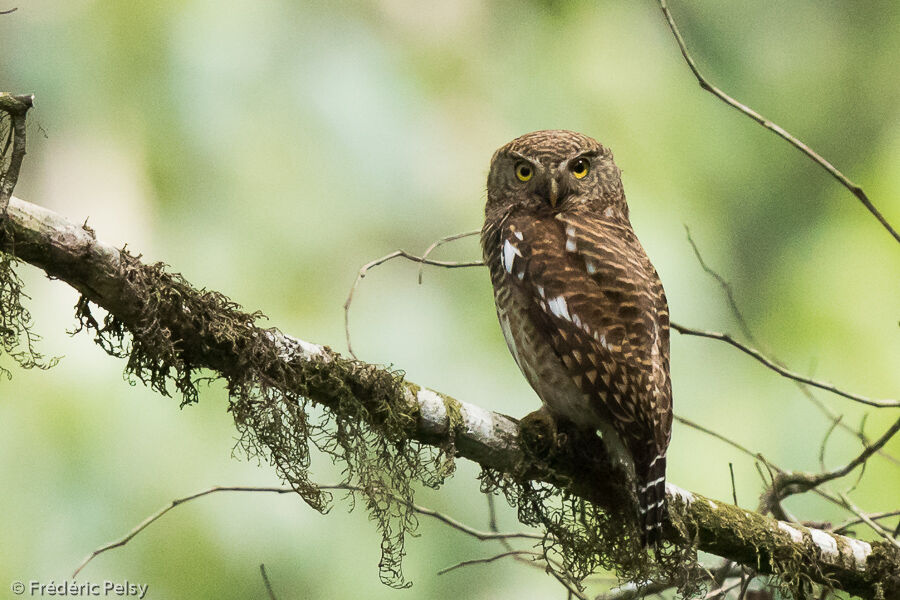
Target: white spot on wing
{"x": 518, "y": 235}
{"x": 591, "y": 266}
{"x": 509, "y": 255}
{"x": 654, "y": 482}
{"x": 570, "y": 245}
{"x": 602, "y": 340}
{"x": 559, "y": 308}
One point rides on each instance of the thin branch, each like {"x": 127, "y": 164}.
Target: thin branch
{"x": 845, "y": 526}
{"x": 787, "y": 484}
{"x": 724, "y": 337}
{"x": 774, "y": 470}
{"x": 481, "y": 535}
{"x": 396, "y": 254}
{"x": 870, "y": 522}
{"x": 434, "y": 245}
{"x": 489, "y": 559}
{"x": 159, "y": 514}
{"x": 739, "y": 317}
{"x": 676, "y": 326}
{"x": 721, "y": 591}
{"x": 773, "y": 127}
{"x": 726, "y": 288}
{"x": 265, "y": 578}
{"x": 824, "y": 443}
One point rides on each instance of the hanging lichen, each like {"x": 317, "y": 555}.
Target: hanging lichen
{"x": 176, "y": 331}
{"x": 17, "y": 339}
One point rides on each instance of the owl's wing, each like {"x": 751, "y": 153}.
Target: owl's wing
{"x": 602, "y": 307}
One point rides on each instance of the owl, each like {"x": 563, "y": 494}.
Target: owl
{"x": 582, "y": 309}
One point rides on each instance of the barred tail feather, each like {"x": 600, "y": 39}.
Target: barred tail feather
{"x": 652, "y": 502}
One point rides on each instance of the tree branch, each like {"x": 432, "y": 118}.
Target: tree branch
{"x": 72, "y": 254}
{"x": 724, "y": 337}
{"x": 773, "y": 127}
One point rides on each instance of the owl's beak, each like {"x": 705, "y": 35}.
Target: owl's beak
{"x": 553, "y": 196}
{"x": 553, "y": 190}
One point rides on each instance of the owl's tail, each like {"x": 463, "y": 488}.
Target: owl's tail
{"x": 651, "y": 494}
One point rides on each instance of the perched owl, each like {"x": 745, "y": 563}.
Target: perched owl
{"x": 581, "y": 307}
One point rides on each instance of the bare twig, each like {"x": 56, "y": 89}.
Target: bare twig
{"x": 396, "y": 254}
{"x": 787, "y": 484}
{"x": 481, "y": 535}
{"x": 773, "y": 127}
{"x": 869, "y": 521}
{"x": 724, "y": 337}
{"x": 726, "y": 288}
{"x": 489, "y": 559}
{"x": 11, "y": 10}
{"x": 158, "y": 514}
{"x": 733, "y": 487}
{"x": 721, "y": 591}
{"x": 265, "y": 578}
{"x": 822, "y": 447}
{"x": 434, "y": 245}
{"x": 873, "y": 516}
{"x": 804, "y": 389}
{"x": 679, "y": 328}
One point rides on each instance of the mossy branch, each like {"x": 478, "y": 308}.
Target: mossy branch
{"x": 168, "y": 330}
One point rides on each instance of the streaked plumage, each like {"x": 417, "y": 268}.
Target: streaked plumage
{"x": 581, "y": 307}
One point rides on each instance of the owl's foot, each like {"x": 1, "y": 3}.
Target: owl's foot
{"x": 539, "y": 434}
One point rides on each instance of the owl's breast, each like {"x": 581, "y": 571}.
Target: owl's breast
{"x": 533, "y": 352}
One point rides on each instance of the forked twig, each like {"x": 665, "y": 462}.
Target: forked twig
{"x": 396, "y": 254}
{"x": 773, "y": 127}
{"x": 481, "y": 535}
{"x": 868, "y": 521}
{"x": 745, "y": 328}
{"x": 873, "y": 516}
{"x": 489, "y": 559}
{"x": 787, "y": 484}
{"x": 724, "y": 337}
{"x": 158, "y": 514}
{"x": 725, "y": 285}
{"x": 434, "y": 245}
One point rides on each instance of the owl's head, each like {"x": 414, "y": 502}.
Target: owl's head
{"x": 555, "y": 170}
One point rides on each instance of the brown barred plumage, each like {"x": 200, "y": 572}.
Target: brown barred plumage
{"x": 581, "y": 306}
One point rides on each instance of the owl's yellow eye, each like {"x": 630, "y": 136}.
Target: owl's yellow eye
{"x": 524, "y": 171}
{"x": 580, "y": 167}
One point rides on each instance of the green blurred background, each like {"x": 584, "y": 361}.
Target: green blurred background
{"x": 269, "y": 149}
